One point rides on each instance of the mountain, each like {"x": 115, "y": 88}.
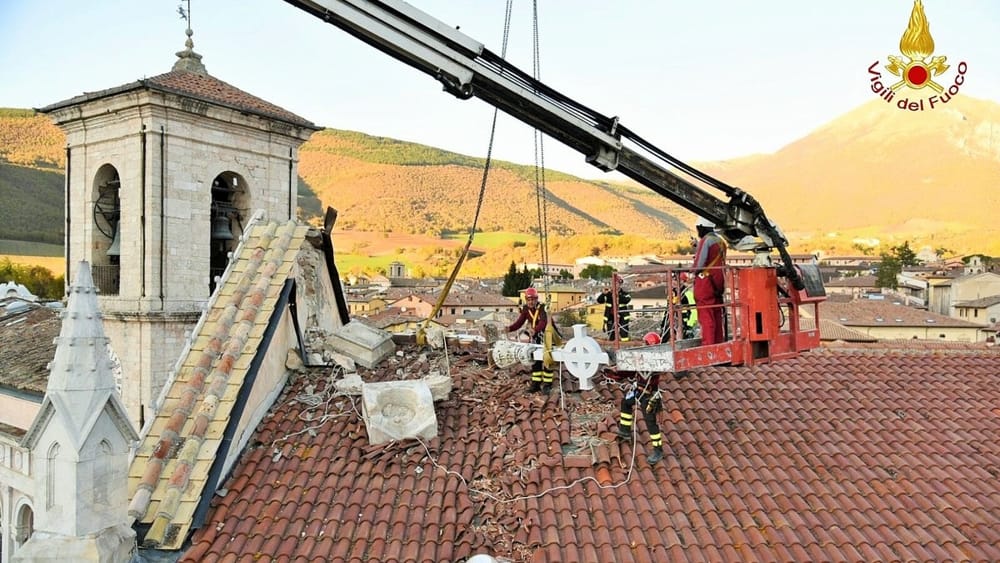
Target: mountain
{"x": 880, "y": 170}
{"x": 929, "y": 177}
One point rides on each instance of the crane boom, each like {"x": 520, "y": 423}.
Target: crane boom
{"x": 467, "y": 69}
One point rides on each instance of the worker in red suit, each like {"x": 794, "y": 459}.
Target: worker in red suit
{"x": 534, "y": 319}
{"x": 645, "y": 390}
{"x": 709, "y": 282}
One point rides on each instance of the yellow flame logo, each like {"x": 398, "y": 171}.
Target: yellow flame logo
{"x": 917, "y": 45}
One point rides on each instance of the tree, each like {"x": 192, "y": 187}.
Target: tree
{"x": 905, "y": 254}
{"x": 595, "y": 272}
{"x": 514, "y": 281}
{"x": 570, "y": 317}
{"x": 36, "y": 279}
{"x": 890, "y": 267}
{"x": 941, "y": 251}
{"x": 565, "y": 275}
{"x": 864, "y": 249}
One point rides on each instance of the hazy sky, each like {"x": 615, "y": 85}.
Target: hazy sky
{"x": 703, "y": 80}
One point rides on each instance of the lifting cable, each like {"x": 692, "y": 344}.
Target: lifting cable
{"x": 422, "y": 331}
{"x": 541, "y": 203}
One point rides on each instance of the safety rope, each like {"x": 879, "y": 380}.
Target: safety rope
{"x": 422, "y": 331}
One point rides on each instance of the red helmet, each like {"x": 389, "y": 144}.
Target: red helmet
{"x": 531, "y": 292}
{"x": 651, "y": 339}
{"x": 684, "y": 277}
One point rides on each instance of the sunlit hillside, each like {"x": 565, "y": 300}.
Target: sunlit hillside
{"x": 381, "y": 184}
{"x": 877, "y": 175}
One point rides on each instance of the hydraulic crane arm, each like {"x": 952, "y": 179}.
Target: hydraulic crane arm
{"x": 466, "y": 69}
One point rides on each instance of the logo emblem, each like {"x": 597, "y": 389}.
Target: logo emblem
{"x": 917, "y": 67}
{"x": 917, "y": 46}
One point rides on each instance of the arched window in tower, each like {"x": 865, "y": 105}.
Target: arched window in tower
{"x": 105, "y": 256}
{"x": 227, "y": 223}
{"x": 25, "y": 525}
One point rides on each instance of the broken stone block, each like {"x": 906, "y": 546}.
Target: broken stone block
{"x": 350, "y": 384}
{"x": 435, "y": 338}
{"x": 439, "y": 384}
{"x": 398, "y": 410}
{"x": 364, "y": 344}
{"x": 344, "y": 362}
{"x": 293, "y": 360}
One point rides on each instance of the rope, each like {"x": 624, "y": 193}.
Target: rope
{"x": 541, "y": 200}
{"x": 421, "y": 336}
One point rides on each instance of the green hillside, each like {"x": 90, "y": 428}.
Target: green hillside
{"x": 31, "y": 204}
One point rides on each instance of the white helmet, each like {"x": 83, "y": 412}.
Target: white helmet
{"x": 703, "y": 222}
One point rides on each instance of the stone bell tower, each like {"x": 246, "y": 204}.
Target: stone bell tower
{"x": 162, "y": 176}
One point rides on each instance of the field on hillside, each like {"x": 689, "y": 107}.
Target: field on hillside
{"x": 492, "y": 240}
{"x": 54, "y": 264}
{"x": 49, "y": 256}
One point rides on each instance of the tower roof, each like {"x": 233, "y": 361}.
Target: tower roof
{"x": 190, "y": 78}
{"x": 197, "y": 86}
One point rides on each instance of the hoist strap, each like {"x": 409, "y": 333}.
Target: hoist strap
{"x": 421, "y": 332}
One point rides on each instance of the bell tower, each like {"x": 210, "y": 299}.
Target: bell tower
{"x": 162, "y": 176}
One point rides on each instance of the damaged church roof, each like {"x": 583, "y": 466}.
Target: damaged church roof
{"x": 861, "y": 452}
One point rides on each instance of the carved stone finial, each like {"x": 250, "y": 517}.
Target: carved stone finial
{"x": 187, "y": 59}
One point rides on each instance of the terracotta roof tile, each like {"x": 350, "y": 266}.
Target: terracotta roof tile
{"x": 171, "y": 466}
{"x": 867, "y": 452}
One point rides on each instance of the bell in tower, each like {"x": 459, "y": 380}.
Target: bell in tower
{"x": 224, "y": 212}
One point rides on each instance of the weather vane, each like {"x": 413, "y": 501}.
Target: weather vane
{"x": 185, "y": 13}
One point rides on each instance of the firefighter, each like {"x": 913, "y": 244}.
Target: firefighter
{"x": 645, "y": 390}
{"x": 689, "y": 314}
{"x": 534, "y": 319}
{"x": 709, "y": 283}
{"x": 624, "y": 313}
{"x": 686, "y": 321}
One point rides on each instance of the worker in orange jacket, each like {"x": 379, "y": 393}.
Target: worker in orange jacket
{"x": 709, "y": 283}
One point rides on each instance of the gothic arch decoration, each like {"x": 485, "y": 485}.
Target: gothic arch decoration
{"x": 102, "y": 487}
{"x": 24, "y": 524}
{"x": 229, "y": 209}
{"x": 106, "y": 248}
{"x": 51, "y": 474}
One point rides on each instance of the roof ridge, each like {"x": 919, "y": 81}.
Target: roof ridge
{"x": 223, "y": 349}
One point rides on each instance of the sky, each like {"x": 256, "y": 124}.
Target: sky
{"x": 702, "y": 80}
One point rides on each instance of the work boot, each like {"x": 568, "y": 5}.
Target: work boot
{"x": 535, "y": 385}
{"x": 546, "y": 387}
{"x": 624, "y": 433}
{"x": 655, "y": 456}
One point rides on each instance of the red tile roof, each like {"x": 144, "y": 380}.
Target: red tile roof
{"x": 858, "y": 453}
{"x": 212, "y": 89}
{"x": 830, "y": 330}
{"x": 198, "y": 86}
{"x": 867, "y": 312}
